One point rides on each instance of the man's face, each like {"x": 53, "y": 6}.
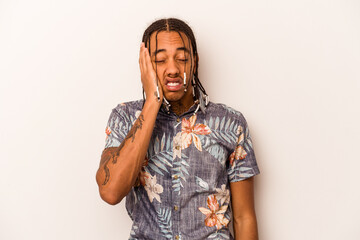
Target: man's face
{"x": 172, "y": 60}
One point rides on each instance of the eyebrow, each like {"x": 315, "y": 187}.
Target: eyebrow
{"x": 178, "y": 49}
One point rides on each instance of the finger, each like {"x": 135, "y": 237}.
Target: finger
{"x": 148, "y": 60}
{"x": 140, "y": 50}
{"x": 140, "y": 56}
{"x": 150, "y": 68}
{"x": 141, "y": 59}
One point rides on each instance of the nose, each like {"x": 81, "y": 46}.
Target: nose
{"x": 172, "y": 68}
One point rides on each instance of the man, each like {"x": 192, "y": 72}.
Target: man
{"x": 184, "y": 164}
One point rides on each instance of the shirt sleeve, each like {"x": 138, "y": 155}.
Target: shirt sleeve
{"x": 242, "y": 161}
{"x": 117, "y": 127}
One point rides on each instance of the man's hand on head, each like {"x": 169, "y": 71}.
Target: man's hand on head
{"x": 150, "y": 82}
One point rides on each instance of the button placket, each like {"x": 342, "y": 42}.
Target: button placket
{"x": 175, "y": 195}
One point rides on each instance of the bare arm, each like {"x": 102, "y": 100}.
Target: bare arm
{"x": 242, "y": 198}
{"x": 120, "y": 166}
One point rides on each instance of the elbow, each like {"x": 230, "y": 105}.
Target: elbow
{"x": 110, "y": 197}
{"x": 110, "y": 192}
{"x": 107, "y": 193}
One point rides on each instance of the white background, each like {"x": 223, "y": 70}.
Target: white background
{"x": 291, "y": 67}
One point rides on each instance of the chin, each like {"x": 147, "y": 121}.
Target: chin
{"x": 173, "y": 97}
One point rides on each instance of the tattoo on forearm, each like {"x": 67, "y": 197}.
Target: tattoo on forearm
{"x": 113, "y": 155}
{"x": 137, "y": 125}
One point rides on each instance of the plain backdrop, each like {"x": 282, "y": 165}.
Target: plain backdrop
{"x": 291, "y": 67}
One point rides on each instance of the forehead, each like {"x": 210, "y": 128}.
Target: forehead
{"x": 169, "y": 41}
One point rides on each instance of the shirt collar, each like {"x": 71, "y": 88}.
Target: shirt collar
{"x": 200, "y": 103}
{"x": 203, "y": 101}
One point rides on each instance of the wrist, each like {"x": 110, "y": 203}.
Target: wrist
{"x": 153, "y": 103}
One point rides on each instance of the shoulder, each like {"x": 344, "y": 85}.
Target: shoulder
{"x": 126, "y": 112}
{"x": 129, "y": 108}
{"x": 223, "y": 110}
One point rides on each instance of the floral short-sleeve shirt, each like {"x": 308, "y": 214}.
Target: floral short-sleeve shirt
{"x": 183, "y": 189}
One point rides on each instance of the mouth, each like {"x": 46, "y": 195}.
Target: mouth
{"x": 173, "y": 84}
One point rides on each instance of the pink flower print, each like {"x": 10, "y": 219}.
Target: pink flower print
{"x": 107, "y": 131}
{"x": 223, "y": 194}
{"x": 189, "y": 132}
{"x": 152, "y": 188}
{"x": 238, "y": 154}
{"x": 215, "y": 213}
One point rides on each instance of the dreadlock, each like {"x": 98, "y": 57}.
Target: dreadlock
{"x": 176, "y": 25}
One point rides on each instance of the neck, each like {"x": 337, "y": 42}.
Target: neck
{"x": 182, "y": 105}
{"x": 179, "y": 107}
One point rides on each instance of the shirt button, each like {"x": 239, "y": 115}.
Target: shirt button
{"x": 176, "y": 208}
{"x": 178, "y": 119}
{"x": 176, "y": 176}
{"x": 177, "y": 237}
{"x": 177, "y": 147}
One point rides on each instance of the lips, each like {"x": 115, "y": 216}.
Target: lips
{"x": 173, "y": 84}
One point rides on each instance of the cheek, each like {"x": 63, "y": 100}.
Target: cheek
{"x": 159, "y": 70}
{"x": 190, "y": 66}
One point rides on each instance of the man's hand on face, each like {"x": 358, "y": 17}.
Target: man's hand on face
{"x": 148, "y": 76}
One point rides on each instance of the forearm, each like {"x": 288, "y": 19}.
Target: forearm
{"x": 120, "y": 166}
{"x": 246, "y": 228}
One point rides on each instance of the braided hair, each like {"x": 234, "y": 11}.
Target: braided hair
{"x": 176, "y": 25}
